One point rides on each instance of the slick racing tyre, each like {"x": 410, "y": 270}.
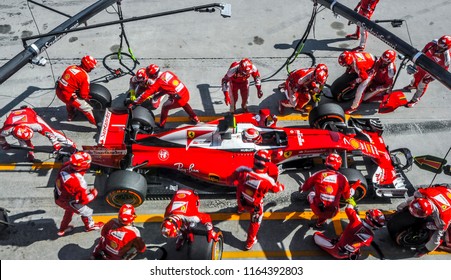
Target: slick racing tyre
{"x": 201, "y": 249}
{"x": 125, "y": 187}
{"x": 143, "y": 116}
{"x": 353, "y": 175}
{"x": 340, "y": 89}
{"x": 326, "y": 114}
{"x": 100, "y": 97}
{"x": 413, "y": 238}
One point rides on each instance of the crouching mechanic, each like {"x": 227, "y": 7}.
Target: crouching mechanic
{"x": 252, "y": 184}
{"x": 435, "y": 202}
{"x": 73, "y": 195}
{"x": 181, "y": 215}
{"x": 357, "y": 234}
{"x": 325, "y": 189}
{"x": 22, "y": 123}
{"x": 120, "y": 239}
{"x": 302, "y": 86}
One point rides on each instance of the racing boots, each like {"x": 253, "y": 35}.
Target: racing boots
{"x": 195, "y": 119}
{"x": 354, "y": 36}
{"x": 95, "y": 226}
{"x": 30, "y": 156}
{"x": 65, "y": 231}
{"x": 412, "y": 103}
{"x": 250, "y": 243}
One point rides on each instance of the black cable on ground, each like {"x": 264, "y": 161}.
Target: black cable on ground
{"x": 299, "y": 46}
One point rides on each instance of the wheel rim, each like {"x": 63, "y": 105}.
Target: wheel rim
{"x": 217, "y": 249}
{"x": 413, "y": 237}
{"x": 117, "y": 199}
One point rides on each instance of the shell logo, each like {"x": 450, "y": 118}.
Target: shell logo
{"x": 66, "y": 77}
{"x": 287, "y": 154}
{"x": 448, "y": 194}
{"x": 329, "y": 189}
{"x": 113, "y": 245}
{"x": 181, "y": 195}
{"x": 354, "y": 143}
{"x": 175, "y": 82}
{"x": 249, "y": 192}
{"x": 191, "y": 134}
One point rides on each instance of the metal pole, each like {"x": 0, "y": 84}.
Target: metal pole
{"x": 24, "y": 57}
{"x": 390, "y": 39}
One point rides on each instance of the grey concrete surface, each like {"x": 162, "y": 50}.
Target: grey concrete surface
{"x": 199, "y": 47}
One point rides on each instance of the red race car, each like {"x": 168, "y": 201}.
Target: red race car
{"x": 205, "y": 155}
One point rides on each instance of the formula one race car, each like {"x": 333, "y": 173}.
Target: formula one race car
{"x": 137, "y": 157}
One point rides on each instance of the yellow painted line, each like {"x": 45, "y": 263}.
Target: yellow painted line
{"x": 271, "y": 254}
{"x": 337, "y": 226}
{"x": 46, "y": 165}
{"x": 307, "y": 215}
{"x": 7, "y": 166}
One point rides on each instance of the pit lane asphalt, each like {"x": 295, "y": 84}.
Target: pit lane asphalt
{"x": 199, "y": 49}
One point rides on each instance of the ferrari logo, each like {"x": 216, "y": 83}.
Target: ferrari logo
{"x": 287, "y": 154}
{"x": 183, "y": 208}
{"x": 191, "y": 134}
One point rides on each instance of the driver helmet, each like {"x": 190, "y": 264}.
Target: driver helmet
{"x": 170, "y": 227}
{"x": 374, "y": 218}
{"x": 22, "y": 132}
{"x": 420, "y": 207}
{"x": 80, "y": 161}
{"x": 252, "y": 135}
{"x": 126, "y": 214}
{"x": 88, "y": 63}
{"x": 333, "y": 161}
{"x": 345, "y": 59}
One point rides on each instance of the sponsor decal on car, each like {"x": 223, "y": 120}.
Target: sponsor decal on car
{"x": 163, "y": 155}
{"x": 191, "y": 168}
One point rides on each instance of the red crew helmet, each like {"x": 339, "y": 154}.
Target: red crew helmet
{"x": 22, "y": 132}
{"x": 389, "y": 56}
{"x": 80, "y": 161}
{"x": 171, "y": 226}
{"x": 345, "y": 58}
{"x": 261, "y": 159}
{"x": 420, "y": 207}
{"x": 126, "y": 214}
{"x": 88, "y": 63}
{"x": 375, "y": 218}
{"x": 152, "y": 71}
{"x": 141, "y": 75}
{"x": 444, "y": 43}
{"x": 333, "y": 161}
{"x": 321, "y": 74}
{"x": 245, "y": 66}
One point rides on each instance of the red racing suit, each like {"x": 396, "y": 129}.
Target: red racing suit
{"x": 252, "y": 186}
{"x": 240, "y": 82}
{"x": 363, "y": 65}
{"x": 365, "y": 8}
{"x": 440, "y": 196}
{"x": 185, "y": 205}
{"x": 168, "y": 83}
{"x": 299, "y": 88}
{"x": 329, "y": 186}
{"x": 119, "y": 242}
{"x": 382, "y": 81}
{"x": 28, "y": 117}
{"x": 421, "y": 78}
{"x": 356, "y": 235}
{"x": 72, "y": 194}
{"x": 73, "y": 89}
